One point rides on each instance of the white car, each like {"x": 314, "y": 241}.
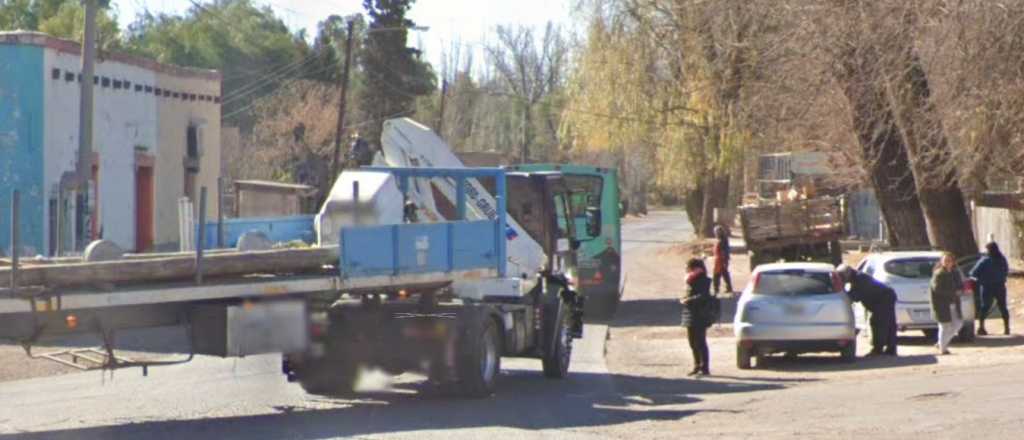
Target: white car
{"x": 910, "y": 274}
{"x": 793, "y": 308}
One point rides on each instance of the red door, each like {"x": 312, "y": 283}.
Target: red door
{"x": 143, "y": 208}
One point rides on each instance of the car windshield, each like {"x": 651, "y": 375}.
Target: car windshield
{"x": 912, "y": 267}
{"x": 793, "y": 283}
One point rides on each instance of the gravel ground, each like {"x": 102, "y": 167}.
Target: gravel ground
{"x": 646, "y": 340}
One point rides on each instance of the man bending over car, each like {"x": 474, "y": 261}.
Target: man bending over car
{"x": 880, "y": 301}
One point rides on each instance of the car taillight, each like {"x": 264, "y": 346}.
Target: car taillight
{"x": 837, "y": 283}
{"x": 757, "y": 279}
{"x": 599, "y": 277}
{"x": 969, "y": 286}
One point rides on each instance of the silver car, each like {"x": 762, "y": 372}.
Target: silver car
{"x": 793, "y": 308}
{"x": 910, "y": 274}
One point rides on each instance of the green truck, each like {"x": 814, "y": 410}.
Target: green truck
{"x": 594, "y": 192}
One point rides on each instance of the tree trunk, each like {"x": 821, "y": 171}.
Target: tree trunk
{"x": 694, "y": 204}
{"x": 883, "y": 152}
{"x": 948, "y": 224}
{"x": 716, "y": 194}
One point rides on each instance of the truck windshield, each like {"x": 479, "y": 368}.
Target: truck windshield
{"x": 793, "y": 283}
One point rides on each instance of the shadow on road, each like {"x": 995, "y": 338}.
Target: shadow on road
{"x": 662, "y": 312}
{"x": 584, "y": 400}
{"x": 999, "y": 341}
{"x": 834, "y": 363}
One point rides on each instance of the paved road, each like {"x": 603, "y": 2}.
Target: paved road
{"x": 249, "y": 398}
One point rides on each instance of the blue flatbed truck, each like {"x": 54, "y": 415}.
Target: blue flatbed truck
{"x": 431, "y": 297}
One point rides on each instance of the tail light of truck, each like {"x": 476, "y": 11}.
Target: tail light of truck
{"x": 317, "y": 329}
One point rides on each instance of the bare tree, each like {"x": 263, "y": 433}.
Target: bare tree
{"x": 530, "y": 69}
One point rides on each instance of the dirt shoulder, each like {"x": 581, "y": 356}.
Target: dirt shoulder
{"x": 645, "y": 338}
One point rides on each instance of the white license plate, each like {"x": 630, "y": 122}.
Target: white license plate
{"x": 921, "y": 315}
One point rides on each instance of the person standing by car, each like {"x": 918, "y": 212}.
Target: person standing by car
{"x": 722, "y": 259}
{"x": 880, "y": 301}
{"x": 991, "y": 271}
{"x": 945, "y": 300}
{"x": 696, "y": 314}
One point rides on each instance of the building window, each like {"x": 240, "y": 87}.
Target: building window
{"x": 138, "y": 87}
{"x": 158, "y": 91}
{"x": 127, "y": 84}
{"x": 192, "y": 142}
{"x": 68, "y": 76}
{"x": 175, "y": 95}
{"x": 105, "y": 81}
{"x": 55, "y": 74}
{"x": 95, "y": 80}
{"x": 149, "y": 89}
{"x": 118, "y": 84}
{"x": 216, "y": 99}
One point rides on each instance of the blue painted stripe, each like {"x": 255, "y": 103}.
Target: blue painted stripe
{"x": 21, "y": 142}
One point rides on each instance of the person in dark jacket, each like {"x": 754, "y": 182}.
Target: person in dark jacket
{"x": 696, "y": 315}
{"x": 991, "y": 271}
{"x": 880, "y": 301}
{"x": 944, "y": 296}
{"x": 721, "y": 270}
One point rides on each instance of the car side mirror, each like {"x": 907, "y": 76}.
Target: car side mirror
{"x": 593, "y": 221}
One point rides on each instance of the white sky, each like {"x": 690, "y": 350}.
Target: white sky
{"x": 471, "y": 21}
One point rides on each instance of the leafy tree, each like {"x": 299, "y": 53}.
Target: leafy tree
{"x": 395, "y": 74}
{"x": 68, "y": 21}
{"x": 252, "y": 48}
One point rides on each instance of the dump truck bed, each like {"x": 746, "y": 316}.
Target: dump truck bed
{"x": 792, "y": 222}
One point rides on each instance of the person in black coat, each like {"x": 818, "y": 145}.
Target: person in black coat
{"x": 880, "y": 301}
{"x": 697, "y": 315}
{"x": 991, "y": 272}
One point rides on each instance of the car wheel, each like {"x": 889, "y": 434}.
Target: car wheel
{"x": 931, "y": 333}
{"x": 966, "y": 333}
{"x": 849, "y": 352}
{"x": 743, "y": 356}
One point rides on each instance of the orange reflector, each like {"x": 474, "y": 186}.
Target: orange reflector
{"x": 247, "y": 305}
{"x": 71, "y": 321}
{"x": 403, "y": 294}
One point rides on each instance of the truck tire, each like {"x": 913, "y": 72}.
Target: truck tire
{"x": 557, "y": 358}
{"x": 836, "y": 252}
{"x": 479, "y": 361}
{"x": 743, "y": 356}
{"x": 328, "y": 377}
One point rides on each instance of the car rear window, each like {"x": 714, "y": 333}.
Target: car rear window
{"x": 793, "y": 283}
{"x": 912, "y": 267}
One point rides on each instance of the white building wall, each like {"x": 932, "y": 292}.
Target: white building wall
{"x": 122, "y": 120}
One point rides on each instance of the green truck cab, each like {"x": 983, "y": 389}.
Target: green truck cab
{"x": 594, "y": 206}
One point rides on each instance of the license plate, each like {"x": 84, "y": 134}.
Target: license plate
{"x": 921, "y": 315}
{"x": 794, "y": 309}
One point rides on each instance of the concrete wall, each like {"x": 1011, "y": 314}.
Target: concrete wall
{"x": 123, "y": 119}
{"x": 175, "y": 115}
{"x": 22, "y": 125}
{"x": 39, "y": 136}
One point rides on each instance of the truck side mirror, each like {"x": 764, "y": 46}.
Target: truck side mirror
{"x": 594, "y": 221}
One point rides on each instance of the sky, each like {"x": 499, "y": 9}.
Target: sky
{"x": 470, "y": 21}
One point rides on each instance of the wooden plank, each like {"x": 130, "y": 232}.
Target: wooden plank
{"x": 175, "y": 267}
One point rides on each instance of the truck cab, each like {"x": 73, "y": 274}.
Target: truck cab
{"x": 540, "y": 202}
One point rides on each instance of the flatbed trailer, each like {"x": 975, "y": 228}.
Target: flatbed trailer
{"x": 431, "y": 297}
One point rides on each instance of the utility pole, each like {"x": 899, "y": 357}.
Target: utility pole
{"x": 85, "y": 110}
{"x": 341, "y": 102}
{"x": 440, "y": 119}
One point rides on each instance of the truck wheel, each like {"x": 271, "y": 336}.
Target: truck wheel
{"x": 966, "y": 333}
{"x": 743, "y": 356}
{"x": 328, "y": 377}
{"x": 479, "y": 362}
{"x": 556, "y": 360}
{"x": 849, "y": 352}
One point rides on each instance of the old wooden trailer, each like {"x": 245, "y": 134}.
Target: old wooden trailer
{"x": 796, "y": 230}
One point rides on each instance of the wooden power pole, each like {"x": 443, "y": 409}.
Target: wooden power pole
{"x": 341, "y": 104}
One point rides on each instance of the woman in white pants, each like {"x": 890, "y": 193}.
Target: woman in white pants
{"x": 945, "y": 300}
